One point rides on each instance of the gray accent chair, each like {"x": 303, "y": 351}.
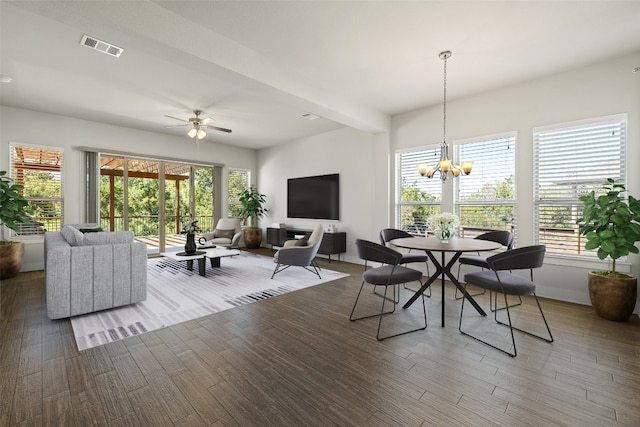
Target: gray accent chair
{"x": 391, "y": 274}
{"x": 301, "y": 253}
{"x": 93, "y": 271}
{"x": 498, "y": 279}
{"x": 505, "y": 238}
{"x": 228, "y": 233}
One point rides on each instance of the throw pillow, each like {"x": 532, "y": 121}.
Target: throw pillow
{"x": 72, "y": 235}
{"x": 227, "y": 234}
{"x": 304, "y": 241}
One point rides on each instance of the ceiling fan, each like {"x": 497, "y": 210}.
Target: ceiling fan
{"x": 198, "y": 125}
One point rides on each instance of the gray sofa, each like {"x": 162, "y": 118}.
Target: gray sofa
{"x": 92, "y": 271}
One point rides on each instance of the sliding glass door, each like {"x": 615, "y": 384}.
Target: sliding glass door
{"x": 154, "y": 198}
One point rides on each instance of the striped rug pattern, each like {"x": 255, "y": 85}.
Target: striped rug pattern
{"x": 175, "y": 295}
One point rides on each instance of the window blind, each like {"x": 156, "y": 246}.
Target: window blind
{"x": 570, "y": 161}
{"x": 238, "y": 182}
{"x": 486, "y": 199}
{"x": 417, "y": 197}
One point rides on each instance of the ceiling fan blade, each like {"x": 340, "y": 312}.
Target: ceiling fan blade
{"x": 176, "y": 118}
{"x": 177, "y": 126}
{"x": 217, "y": 128}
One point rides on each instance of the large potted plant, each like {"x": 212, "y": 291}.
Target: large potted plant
{"x": 611, "y": 225}
{"x": 252, "y": 207}
{"x": 13, "y": 211}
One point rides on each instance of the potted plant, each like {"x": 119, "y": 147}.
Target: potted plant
{"x": 13, "y": 211}
{"x": 612, "y": 226}
{"x": 252, "y": 207}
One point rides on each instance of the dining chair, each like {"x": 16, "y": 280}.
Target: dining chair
{"x": 500, "y": 279}
{"x": 388, "y": 234}
{"x": 390, "y": 274}
{"x": 505, "y": 238}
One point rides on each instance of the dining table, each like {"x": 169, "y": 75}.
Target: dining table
{"x": 456, "y": 246}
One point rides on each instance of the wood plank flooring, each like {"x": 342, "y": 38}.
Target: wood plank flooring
{"x": 297, "y": 360}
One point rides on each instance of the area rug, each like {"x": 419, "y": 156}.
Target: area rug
{"x": 175, "y": 295}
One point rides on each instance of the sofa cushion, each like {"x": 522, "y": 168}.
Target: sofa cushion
{"x": 225, "y": 234}
{"x": 72, "y": 235}
{"x": 108, "y": 238}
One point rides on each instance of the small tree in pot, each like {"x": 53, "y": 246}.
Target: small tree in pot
{"x": 612, "y": 226}
{"x": 13, "y": 211}
{"x": 252, "y": 207}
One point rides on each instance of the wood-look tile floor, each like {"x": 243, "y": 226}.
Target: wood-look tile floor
{"x": 297, "y": 360}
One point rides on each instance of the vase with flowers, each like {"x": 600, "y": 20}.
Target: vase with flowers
{"x": 443, "y": 226}
{"x": 190, "y": 228}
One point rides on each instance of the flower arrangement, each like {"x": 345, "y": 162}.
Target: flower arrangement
{"x": 190, "y": 227}
{"x": 443, "y": 225}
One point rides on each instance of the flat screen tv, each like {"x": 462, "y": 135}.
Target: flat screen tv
{"x": 314, "y": 197}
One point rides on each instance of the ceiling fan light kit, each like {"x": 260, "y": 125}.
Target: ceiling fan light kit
{"x": 199, "y": 133}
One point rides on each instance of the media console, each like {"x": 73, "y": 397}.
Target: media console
{"x": 332, "y": 243}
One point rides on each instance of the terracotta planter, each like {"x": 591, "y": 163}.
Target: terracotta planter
{"x": 252, "y": 237}
{"x": 11, "y": 256}
{"x": 613, "y": 298}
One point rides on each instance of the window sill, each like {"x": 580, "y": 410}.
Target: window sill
{"x": 585, "y": 262}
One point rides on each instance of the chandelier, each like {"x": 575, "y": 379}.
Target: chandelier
{"x": 445, "y": 165}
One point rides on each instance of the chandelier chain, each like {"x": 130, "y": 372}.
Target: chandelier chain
{"x": 444, "y": 103}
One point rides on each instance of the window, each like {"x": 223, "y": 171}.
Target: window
{"x": 238, "y": 182}
{"x": 39, "y": 171}
{"x": 572, "y": 160}
{"x": 486, "y": 199}
{"x": 417, "y": 197}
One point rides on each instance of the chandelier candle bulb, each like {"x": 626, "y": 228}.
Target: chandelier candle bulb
{"x": 466, "y": 167}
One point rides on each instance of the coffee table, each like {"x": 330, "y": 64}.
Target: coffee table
{"x": 214, "y": 255}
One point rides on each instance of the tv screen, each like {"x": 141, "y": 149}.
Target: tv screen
{"x": 314, "y": 197}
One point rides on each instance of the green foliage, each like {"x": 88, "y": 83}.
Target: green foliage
{"x": 13, "y": 207}
{"x": 252, "y": 201}
{"x": 414, "y": 216}
{"x": 143, "y": 202}
{"x": 237, "y": 185}
{"x": 504, "y": 190}
{"x": 610, "y": 223}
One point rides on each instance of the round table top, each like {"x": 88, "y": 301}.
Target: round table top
{"x": 457, "y": 244}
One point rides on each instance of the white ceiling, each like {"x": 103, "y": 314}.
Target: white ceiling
{"x": 257, "y": 66}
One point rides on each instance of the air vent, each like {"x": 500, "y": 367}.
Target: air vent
{"x": 101, "y": 46}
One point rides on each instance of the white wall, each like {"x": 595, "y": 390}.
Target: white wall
{"x": 592, "y": 91}
{"x": 30, "y": 127}
{"x": 360, "y": 158}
